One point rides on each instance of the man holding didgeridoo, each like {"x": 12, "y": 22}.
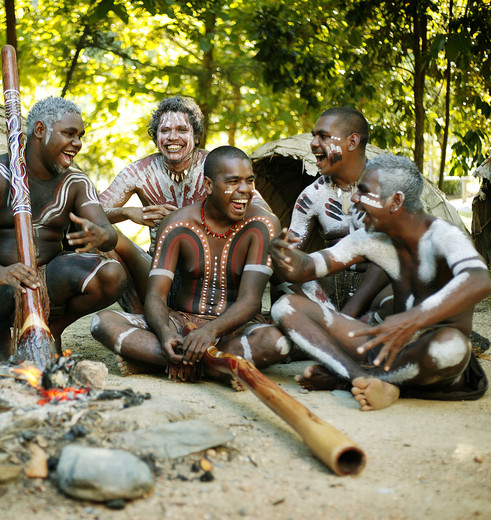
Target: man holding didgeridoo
{"x": 220, "y": 248}
{"x": 76, "y": 282}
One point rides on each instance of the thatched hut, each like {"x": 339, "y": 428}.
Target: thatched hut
{"x": 285, "y": 167}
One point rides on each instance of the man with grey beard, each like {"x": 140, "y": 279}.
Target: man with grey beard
{"x": 77, "y": 282}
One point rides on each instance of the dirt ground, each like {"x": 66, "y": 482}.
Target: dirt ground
{"x": 425, "y": 459}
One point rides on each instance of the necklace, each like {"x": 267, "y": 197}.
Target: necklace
{"x": 178, "y": 177}
{"x": 208, "y": 230}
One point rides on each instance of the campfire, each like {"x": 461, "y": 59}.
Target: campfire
{"x": 58, "y": 382}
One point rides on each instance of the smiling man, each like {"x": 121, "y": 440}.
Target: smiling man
{"x": 164, "y": 181}
{"x": 78, "y": 282}
{"x": 219, "y": 246}
{"x": 423, "y": 349}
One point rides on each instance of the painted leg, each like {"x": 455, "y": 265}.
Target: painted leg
{"x": 138, "y": 350}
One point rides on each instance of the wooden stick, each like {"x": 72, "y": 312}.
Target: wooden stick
{"x": 36, "y": 341}
{"x": 332, "y": 447}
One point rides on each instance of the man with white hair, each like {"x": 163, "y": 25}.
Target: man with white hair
{"x": 77, "y": 282}
{"x": 423, "y": 349}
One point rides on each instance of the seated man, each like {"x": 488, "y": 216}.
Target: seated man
{"x": 437, "y": 277}
{"x": 163, "y": 181}
{"x": 220, "y": 248}
{"x": 339, "y": 139}
{"x": 77, "y": 282}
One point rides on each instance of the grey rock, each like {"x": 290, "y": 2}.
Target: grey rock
{"x": 101, "y": 475}
{"x": 175, "y": 439}
{"x": 156, "y": 411}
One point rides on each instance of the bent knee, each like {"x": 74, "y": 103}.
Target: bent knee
{"x": 283, "y": 308}
{"x": 112, "y": 279}
{"x": 450, "y": 349}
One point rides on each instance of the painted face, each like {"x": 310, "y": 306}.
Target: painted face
{"x": 327, "y": 144}
{"x": 367, "y": 199}
{"x": 64, "y": 142}
{"x": 175, "y": 139}
{"x": 233, "y": 188}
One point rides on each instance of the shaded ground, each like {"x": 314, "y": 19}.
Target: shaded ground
{"x": 426, "y": 459}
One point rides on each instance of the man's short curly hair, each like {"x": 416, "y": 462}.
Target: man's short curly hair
{"x": 177, "y": 104}
{"x": 49, "y": 111}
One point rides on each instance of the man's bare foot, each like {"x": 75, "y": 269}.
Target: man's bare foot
{"x": 131, "y": 367}
{"x": 374, "y": 394}
{"x": 316, "y": 377}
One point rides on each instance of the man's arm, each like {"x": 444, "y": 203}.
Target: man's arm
{"x": 119, "y": 192}
{"x": 304, "y": 219}
{"x": 87, "y": 213}
{"x": 462, "y": 292}
{"x": 295, "y": 266}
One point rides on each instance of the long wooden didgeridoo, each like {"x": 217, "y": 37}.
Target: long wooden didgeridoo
{"x": 332, "y": 447}
{"x": 36, "y": 341}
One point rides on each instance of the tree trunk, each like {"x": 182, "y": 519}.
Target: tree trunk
{"x": 419, "y": 50}
{"x": 11, "y": 23}
{"x": 448, "y": 78}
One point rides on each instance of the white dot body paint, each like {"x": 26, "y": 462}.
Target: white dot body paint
{"x": 281, "y": 309}
{"x": 370, "y": 199}
{"x": 449, "y": 353}
{"x": 318, "y": 354}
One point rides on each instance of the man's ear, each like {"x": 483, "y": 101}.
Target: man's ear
{"x": 353, "y": 142}
{"x": 208, "y": 185}
{"x": 397, "y": 201}
{"x": 39, "y": 129}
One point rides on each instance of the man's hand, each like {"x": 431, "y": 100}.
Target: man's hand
{"x": 153, "y": 215}
{"x": 196, "y": 343}
{"x": 171, "y": 341}
{"x": 91, "y": 236}
{"x": 394, "y": 333}
{"x": 19, "y": 276}
{"x": 283, "y": 250}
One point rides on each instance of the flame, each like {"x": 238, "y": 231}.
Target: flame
{"x": 31, "y": 374}
{"x": 57, "y": 395}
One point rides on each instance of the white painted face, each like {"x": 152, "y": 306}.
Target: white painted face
{"x": 175, "y": 138}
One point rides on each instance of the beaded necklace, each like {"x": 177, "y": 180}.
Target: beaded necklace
{"x": 208, "y": 230}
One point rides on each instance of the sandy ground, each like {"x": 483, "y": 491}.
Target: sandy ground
{"x": 425, "y": 459}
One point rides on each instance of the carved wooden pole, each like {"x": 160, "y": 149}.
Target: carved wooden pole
{"x": 36, "y": 341}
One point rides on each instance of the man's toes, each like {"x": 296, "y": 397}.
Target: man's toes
{"x": 361, "y": 382}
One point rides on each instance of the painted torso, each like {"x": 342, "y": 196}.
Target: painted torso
{"x": 211, "y": 268}
{"x": 443, "y": 254}
{"x": 51, "y": 203}
{"x": 324, "y": 204}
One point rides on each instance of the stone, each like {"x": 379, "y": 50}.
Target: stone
{"x": 175, "y": 439}
{"x": 9, "y": 472}
{"x": 102, "y": 475}
{"x": 90, "y": 373}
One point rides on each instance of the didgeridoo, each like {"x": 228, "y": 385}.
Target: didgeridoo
{"x": 35, "y": 340}
{"x": 332, "y": 447}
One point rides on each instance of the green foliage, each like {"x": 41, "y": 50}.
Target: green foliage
{"x": 259, "y": 70}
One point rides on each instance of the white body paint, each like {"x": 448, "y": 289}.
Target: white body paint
{"x": 448, "y": 353}
{"x": 371, "y": 199}
{"x": 320, "y": 265}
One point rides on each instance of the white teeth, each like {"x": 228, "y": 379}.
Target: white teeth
{"x": 174, "y": 148}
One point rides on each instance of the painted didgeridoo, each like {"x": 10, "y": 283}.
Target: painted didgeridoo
{"x": 331, "y": 446}
{"x": 35, "y": 340}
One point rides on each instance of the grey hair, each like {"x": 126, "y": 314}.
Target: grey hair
{"x": 49, "y": 110}
{"x": 396, "y": 173}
